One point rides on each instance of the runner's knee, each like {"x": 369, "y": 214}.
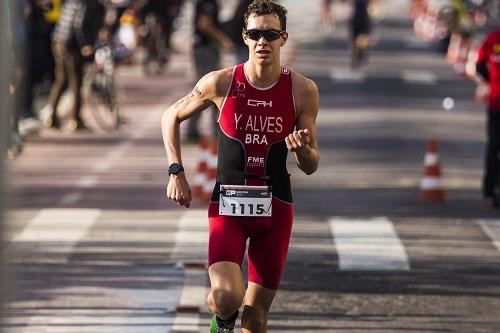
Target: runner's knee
{"x": 226, "y": 301}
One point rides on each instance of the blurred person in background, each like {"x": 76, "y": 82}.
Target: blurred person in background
{"x": 51, "y": 12}
{"x": 18, "y": 17}
{"x": 72, "y": 42}
{"x": 360, "y": 28}
{"x": 234, "y": 29}
{"x": 327, "y": 22}
{"x": 488, "y": 66}
{"x": 38, "y": 59}
{"x": 208, "y": 39}
{"x": 166, "y": 11}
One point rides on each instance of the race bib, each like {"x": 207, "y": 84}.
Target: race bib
{"x": 243, "y": 200}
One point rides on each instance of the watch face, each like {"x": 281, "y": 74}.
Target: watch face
{"x": 175, "y": 169}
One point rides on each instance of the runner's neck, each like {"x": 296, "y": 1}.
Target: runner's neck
{"x": 262, "y": 76}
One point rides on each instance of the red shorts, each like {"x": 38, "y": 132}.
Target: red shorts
{"x": 268, "y": 246}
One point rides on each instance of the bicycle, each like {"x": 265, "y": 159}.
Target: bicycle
{"x": 101, "y": 91}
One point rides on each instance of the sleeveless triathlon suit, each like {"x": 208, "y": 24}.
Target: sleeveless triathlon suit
{"x": 253, "y": 125}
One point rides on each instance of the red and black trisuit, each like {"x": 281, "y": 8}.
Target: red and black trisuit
{"x": 253, "y": 125}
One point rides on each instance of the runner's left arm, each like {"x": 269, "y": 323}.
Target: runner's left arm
{"x": 303, "y": 141}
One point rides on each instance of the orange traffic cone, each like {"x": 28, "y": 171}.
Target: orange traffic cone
{"x": 201, "y": 168}
{"x": 211, "y": 173}
{"x": 431, "y": 190}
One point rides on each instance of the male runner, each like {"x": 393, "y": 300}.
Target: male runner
{"x": 265, "y": 111}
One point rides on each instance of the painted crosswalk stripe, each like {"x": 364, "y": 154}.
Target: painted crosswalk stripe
{"x": 191, "y": 243}
{"x": 63, "y": 226}
{"x": 419, "y": 77}
{"x": 347, "y": 75}
{"x": 368, "y": 245}
{"x": 492, "y": 229}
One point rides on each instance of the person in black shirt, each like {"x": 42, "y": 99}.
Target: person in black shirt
{"x": 360, "y": 26}
{"x": 208, "y": 39}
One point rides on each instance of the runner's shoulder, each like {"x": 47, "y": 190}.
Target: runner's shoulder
{"x": 303, "y": 87}
{"x": 219, "y": 80}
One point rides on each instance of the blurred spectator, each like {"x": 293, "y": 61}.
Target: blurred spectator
{"x": 18, "y": 12}
{"x": 327, "y": 22}
{"x": 488, "y": 66}
{"x": 166, "y": 11}
{"x": 234, "y": 29}
{"x": 208, "y": 38}
{"x": 38, "y": 67}
{"x": 360, "y": 27}
{"x": 73, "y": 40}
{"x": 116, "y": 10}
{"x": 462, "y": 20}
{"x": 52, "y": 13}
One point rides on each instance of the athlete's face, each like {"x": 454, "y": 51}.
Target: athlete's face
{"x": 263, "y": 51}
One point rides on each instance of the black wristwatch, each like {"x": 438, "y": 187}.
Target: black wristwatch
{"x": 175, "y": 168}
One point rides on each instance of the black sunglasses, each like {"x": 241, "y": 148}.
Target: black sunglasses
{"x": 269, "y": 35}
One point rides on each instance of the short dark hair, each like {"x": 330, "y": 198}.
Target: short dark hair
{"x": 266, "y": 7}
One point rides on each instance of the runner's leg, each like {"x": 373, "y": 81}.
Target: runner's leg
{"x": 267, "y": 254}
{"x": 258, "y": 300}
{"x": 226, "y": 250}
{"x": 227, "y": 288}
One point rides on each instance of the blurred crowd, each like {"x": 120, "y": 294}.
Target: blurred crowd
{"x": 468, "y": 32}
{"x": 55, "y": 41}
{"x": 457, "y": 27}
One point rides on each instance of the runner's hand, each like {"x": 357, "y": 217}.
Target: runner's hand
{"x": 178, "y": 190}
{"x": 297, "y": 140}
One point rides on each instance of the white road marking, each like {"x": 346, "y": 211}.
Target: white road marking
{"x": 87, "y": 181}
{"x": 59, "y": 225}
{"x": 65, "y": 227}
{"x": 492, "y": 229}
{"x": 347, "y": 75}
{"x": 55, "y": 233}
{"x": 368, "y": 245}
{"x": 191, "y": 244}
{"x": 419, "y": 77}
{"x": 70, "y": 198}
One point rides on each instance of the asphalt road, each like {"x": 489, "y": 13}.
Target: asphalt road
{"x": 94, "y": 246}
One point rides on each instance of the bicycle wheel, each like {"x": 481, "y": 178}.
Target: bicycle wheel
{"x": 102, "y": 101}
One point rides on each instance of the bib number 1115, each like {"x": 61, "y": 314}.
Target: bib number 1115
{"x": 251, "y": 209}
{"x": 243, "y": 200}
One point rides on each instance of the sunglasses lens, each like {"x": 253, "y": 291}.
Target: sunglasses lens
{"x": 253, "y": 34}
{"x": 271, "y": 35}
{"x": 268, "y": 35}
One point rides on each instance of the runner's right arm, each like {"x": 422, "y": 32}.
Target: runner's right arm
{"x": 208, "y": 90}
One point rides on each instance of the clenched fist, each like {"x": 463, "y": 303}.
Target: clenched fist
{"x": 178, "y": 190}
{"x": 297, "y": 140}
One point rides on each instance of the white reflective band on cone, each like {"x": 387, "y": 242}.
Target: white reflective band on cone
{"x": 430, "y": 183}
{"x": 212, "y": 161}
{"x": 199, "y": 178}
{"x": 204, "y": 155}
{"x": 431, "y": 159}
{"x": 208, "y": 186}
